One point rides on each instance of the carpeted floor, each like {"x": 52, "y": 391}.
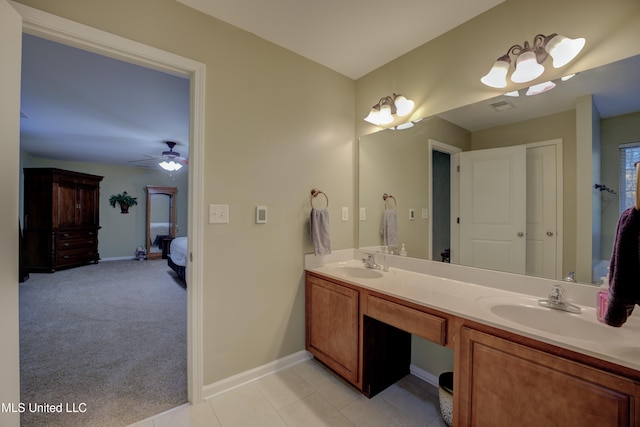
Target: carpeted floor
{"x": 105, "y": 343}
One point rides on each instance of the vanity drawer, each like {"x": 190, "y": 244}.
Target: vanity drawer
{"x": 427, "y": 326}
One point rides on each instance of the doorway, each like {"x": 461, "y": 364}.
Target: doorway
{"x": 443, "y": 201}
{"x": 54, "y": 28}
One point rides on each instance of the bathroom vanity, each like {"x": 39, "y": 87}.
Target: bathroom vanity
{"x": 508, "y": 369}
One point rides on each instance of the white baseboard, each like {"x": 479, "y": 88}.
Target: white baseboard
{"x": 424, "y": 375}
{"x": 249, "y": 376}
{"x": 117, "y": 258}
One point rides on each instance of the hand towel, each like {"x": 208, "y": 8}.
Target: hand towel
{"x": 320, "y": 231}
{"x": 624, "y": 269}
{"x": 390, "y": 228}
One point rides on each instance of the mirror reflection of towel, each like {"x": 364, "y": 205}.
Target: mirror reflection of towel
{"x": 320, "y": 231}
{"x": 624, "y": 269}
{"x": 390, "y": 228}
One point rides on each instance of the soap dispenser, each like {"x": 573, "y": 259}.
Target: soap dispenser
{"x": 403, "y": 251}
{"x": 603, "y": 299}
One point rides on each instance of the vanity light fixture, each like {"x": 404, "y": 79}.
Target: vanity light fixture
{"x": 529, "y": 59}
{"x": 383, "y": 112}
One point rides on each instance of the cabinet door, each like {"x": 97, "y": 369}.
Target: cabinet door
{"x": 87, "y": 201}
{"x": 500, "y": 383}
{"x": 332, "y": 326}
{"x": 65, "y": 206}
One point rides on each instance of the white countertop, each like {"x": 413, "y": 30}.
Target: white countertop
{"x": 478, "y": 302}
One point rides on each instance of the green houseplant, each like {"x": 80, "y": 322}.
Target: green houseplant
{"x": 124, "y": 200}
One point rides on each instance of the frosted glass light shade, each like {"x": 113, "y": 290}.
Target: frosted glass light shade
{"x": 540, "y": 88}
{"x": 527, "y": 68}
{"x": 403, "y": 105}
{"x": 385, "y": 117}
{"x": 563, "y": 49}
{"x": 373, "y": 116}
{"x": 497, "y": 76}
{"x": 170, "y": 166}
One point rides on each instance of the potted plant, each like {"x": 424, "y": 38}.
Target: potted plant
{"x": 124, "y": 200}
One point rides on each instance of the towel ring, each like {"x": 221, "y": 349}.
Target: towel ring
{"x": 314, "y": 194}
{"x": 386, "y": 196}
{"x": 637, "y": 204}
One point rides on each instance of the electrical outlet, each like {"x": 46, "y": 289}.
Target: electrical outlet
{"x": 425, "y": 213}
{"x": 363, "y": 214}
{"x": 345, "y": 213}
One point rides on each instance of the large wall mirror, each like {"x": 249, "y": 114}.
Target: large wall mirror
{"x": 518, "y": 163}
{"x": 161, "y": 219}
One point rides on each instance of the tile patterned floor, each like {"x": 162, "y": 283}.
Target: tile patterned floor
{"x": 309, "y": 395}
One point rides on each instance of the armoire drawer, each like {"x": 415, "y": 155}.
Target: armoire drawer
{"x": 76, "y": 234}
{"x": 71, "y": 244}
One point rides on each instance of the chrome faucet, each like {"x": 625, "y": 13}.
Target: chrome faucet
{"x": 370, "y": 261}
{"x": 558, "y": 300}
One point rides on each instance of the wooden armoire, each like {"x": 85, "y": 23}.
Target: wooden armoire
{"x": 61, "y": 219}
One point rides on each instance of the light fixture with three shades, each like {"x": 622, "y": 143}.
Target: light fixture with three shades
{"x": 529, "y": 59}
{"x": 383, "y": 112}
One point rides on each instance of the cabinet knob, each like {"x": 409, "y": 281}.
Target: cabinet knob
{"x": 549, "y": 233}
{"x": 520, "y": 234}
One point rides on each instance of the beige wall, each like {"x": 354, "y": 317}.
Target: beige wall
{"x": 277, "y": 125}
{"x": 445, "y": 73}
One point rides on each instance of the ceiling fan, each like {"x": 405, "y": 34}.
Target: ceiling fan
{"x": 168, "y": 160}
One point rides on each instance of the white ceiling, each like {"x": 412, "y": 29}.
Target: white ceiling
{"x": 352, "y": 37}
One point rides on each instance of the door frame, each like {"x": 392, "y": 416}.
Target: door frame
{"x": 434, "y": 145}
{"x": 62, "y": 30}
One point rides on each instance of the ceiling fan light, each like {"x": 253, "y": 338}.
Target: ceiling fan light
{"x": 527, "y": 68}
{"x": 540, "y": 88}
{"x": 170, "y": 166}
{"x": 563, "y": 49}
{"x": 403, "y": 105}
{"x": 497, "y": 76}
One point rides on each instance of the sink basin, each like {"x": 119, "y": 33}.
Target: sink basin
{"x": 356, "y": 272}
{"x": 526, "y": 312}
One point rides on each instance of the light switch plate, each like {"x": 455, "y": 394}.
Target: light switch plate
{"x": 412, "y": 214}
{"x": 345, "y": 213}
{"x": 363, "y": 214}
{"x": 218, "y": 214}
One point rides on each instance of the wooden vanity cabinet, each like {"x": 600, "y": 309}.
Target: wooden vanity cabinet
{"x": 61, "y": 218}
{"x": 333, "y": 327}
{"x": 502, "y": 383}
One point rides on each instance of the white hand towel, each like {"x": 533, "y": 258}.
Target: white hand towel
{"x": 390, "y": 228}
{"x": 320, "y": 231}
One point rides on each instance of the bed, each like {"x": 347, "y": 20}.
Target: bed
{"x": 157, "y": 229}
{"x": 177, "y": 258}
